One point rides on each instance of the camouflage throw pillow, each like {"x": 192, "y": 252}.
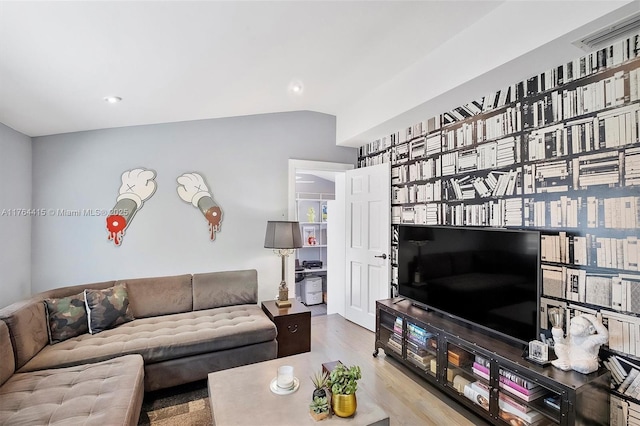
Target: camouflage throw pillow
{"x": 67, "y": 317}
{"x": 107, "y": 308}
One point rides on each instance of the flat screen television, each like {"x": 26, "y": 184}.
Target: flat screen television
{"x": 487, "y": 278}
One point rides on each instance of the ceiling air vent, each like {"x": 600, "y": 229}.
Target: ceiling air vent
{"x": 608, "y": 35}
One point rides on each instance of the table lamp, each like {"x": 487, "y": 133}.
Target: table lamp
{"x": 283, "y": 237}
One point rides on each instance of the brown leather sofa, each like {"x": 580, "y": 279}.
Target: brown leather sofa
{"x": 184, "y": 327}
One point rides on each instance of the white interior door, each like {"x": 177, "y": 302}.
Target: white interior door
{"x": 368, "y": 210}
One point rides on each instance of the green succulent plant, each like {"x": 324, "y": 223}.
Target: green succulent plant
{"x": 320, "y": 381}
{"x": 319, "y": 405}
{"x": 344, "y": 380}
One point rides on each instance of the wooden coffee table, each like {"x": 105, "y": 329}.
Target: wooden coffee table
{"x": 241, "y": 396}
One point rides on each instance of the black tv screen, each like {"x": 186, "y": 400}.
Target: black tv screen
{"x": 484, "y": 277}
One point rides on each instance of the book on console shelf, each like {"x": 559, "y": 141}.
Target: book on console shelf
{"x": 538, "y": 393}
{"x": 423, "y": 360}
{"x": 418, "y": 350}
{"x": 521, "y": 381}
{"x": 531, "y": 392}
{"x": 394, "y": 346}
{"x": 480, "y": 373}
{"x": 396, "y": 338}
{"x": 553, "y": 401}
{"x": 459, "y": 358}
{"x": 482, "y": 361}
{"x": 397, "y": 325}
{"x": 478, "y": 392}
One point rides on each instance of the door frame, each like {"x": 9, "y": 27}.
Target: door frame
{"x": 296, "y": 166}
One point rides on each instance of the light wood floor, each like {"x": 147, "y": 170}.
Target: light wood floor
{"x": 408, "y": 399}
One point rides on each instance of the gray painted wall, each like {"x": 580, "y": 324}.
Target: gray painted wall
{"x": 243, "y": 159}
{"x": 15, "y": 228}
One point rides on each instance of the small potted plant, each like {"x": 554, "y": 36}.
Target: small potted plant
{"x": 343, "y": 384}
{"x": 319, "y": 408}
{"x": 320, "y": 381}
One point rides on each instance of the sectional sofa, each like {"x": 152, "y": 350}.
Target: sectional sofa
{"x": 138, "y": 335}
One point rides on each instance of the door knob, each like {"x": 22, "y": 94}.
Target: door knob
{"x": 382, "y": 256}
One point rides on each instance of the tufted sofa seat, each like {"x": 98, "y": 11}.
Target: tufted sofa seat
{"x": 104, "y": 393}
{"x": 163, "y": 338}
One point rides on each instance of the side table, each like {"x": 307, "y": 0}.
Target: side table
{"x": 293, "y": 324}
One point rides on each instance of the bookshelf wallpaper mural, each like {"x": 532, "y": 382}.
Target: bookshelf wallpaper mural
{"x": 559, "y": 153}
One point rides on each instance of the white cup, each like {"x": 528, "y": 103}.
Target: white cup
{"x": 285, "y": 377}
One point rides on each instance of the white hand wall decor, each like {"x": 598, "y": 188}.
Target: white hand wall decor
{"x": 138, "y": 185}
{"x": 193, "y": 189}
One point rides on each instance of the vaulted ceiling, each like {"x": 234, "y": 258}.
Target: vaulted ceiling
{"x": 375, "y": 65}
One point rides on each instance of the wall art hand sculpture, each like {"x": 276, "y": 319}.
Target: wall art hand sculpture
{"x": 192, "y": 189}
{"x": 138, "y": 185}
{"x": 579, "y": 350}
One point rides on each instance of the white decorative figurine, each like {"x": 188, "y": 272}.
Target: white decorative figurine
{"x": 579, "y": 350}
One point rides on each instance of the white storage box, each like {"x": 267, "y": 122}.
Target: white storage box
{"x": 313, "y": 284}
{"x": 313, "y": 298}
{"x": 312, "y": 290}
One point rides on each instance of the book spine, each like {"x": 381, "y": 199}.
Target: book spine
{"x": 517, "y": 379}
{"x": 515, "y": 386}
{"x": 520, "y": 395}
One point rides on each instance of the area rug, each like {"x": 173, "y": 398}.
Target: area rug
{"x": 178, "y": 406}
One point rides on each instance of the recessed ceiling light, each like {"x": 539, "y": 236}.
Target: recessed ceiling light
{"x": 112, "y": 99}
{"x": 296, "y": 87}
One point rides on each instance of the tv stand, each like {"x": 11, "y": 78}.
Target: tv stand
{"x": 488, "y": 375}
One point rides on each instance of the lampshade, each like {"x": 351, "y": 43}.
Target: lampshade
{"x": 282, "y": 235}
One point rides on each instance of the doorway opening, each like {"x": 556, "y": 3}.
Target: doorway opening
{"x": 311, "y": 188}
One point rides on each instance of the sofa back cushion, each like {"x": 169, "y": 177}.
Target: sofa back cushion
{"x": 59, "y": 292}
{"x": 216, "y": 289}
{"x": 8, "y": 364}
{"x": 150, "y": 297}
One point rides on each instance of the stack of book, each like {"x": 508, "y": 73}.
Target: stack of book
{"x": 418, "y": 343}
{"x": 395, "y": 340}
{"x": 510, "y": 382}
{"x": 511, "y": 409}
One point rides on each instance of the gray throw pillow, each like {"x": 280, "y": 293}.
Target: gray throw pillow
{"x": 66, "y": 317}
{"x": 107, "y": 308}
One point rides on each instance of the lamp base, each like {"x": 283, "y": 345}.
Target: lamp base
{"x": 283, "y": 295}
{"x": 283, "y": 303}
